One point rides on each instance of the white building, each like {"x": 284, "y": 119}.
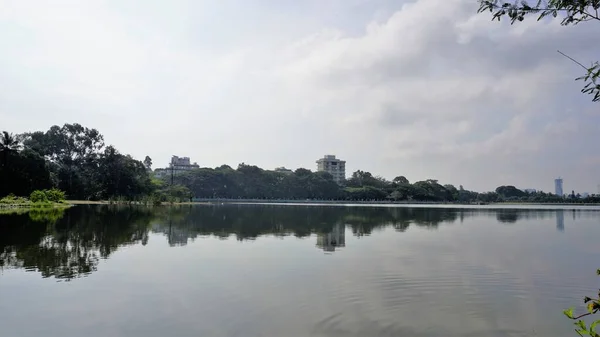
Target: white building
{"x": 335, "y": 167}
{"x": 182, "y": 164}
{"x": 176, "y": 166}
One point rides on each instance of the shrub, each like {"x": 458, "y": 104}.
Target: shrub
{"x": 38, "y": 196}
{"x": 12, "y": 199}
{"x": 55, "y": 195}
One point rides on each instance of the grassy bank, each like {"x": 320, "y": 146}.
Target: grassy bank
{"x": 38, "y": 201}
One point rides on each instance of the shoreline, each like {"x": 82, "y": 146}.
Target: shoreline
{"x": 326, "y": 202}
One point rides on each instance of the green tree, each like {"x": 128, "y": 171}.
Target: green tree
{"x": 121, "y": 175}
{"x": 26, "y": 172}
{"x": 571, "y": 12}
{"x": 148, "y": 163}
{"x": 400, "y": 180}
{"x": 453, "y": 193}
{"x": 9, "y": 144}
{"x": 510, "y": 192}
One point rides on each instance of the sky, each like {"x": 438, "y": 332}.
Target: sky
{"x": 428, "y": 89}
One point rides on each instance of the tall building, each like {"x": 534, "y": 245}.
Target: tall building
{"x": 558, "y": 187}
{"x": 333, "y": 166}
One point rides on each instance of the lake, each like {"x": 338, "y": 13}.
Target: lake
{"x": 296, "y": 270}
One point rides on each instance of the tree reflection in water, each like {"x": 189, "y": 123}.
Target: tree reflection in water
{"x": 68, "y": 244}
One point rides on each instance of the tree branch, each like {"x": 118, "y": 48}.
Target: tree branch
{"x": 582, "y": 315}
{"x": 572, "y": 59}
{"x": 489, "y": 4}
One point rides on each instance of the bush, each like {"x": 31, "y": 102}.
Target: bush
{"x": 55, "y": 195}
{"x": 11, "y": 199}
{"x": 38, "y": 196}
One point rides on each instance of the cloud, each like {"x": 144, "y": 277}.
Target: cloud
{"x": 423, "y": 89}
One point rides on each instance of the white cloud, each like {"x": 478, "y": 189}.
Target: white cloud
{"x": 430, "y": 90}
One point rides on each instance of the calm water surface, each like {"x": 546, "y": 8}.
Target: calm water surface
{"x": 265, "y": 270}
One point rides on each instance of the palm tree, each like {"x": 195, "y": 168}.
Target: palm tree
{"x": 8, "y": 144}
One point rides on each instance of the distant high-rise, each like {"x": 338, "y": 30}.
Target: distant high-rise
{"x": 333, "y": 166}
{"x": 558, "y": 187}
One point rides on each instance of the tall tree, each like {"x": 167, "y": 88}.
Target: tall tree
{"x": 571, "y": 12}
{"x": 9, "y": 144}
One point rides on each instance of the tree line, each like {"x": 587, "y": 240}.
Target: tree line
{"x": 252, "y": 182}
{"x": 75, "y": 159}
{"x": 72, "y": 158}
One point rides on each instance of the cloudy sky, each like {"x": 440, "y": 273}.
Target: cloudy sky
{"x": 425, "y": 89}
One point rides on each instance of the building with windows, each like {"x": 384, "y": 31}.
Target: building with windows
{"x": 176, "y": 166}
{"x": 332, "y": 165}
{"x": 558, "y": 187}
{"x": 182, "y": 164}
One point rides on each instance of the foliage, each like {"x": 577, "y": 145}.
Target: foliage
{"x": 38, "y": 196}
{"x": 593, "y": 305}
{"x": 571, "y": 12}
{"x": 73, "y": 159}
{"x": 9, "y": 142}
{"x": 23, "y": 172}
{"x": 55, "y": 195}
{"x": 148, "y": 162}
{"x": 11, "y": 199}
{"x": 252, "y": 182}
{"x": 510, "y": 192}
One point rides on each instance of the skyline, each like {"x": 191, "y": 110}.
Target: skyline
{"x": 349, "y": 174}
{"x": 428, "y": 90}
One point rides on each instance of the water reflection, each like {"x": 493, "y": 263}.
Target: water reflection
{"x": 560, "y": 220}
{"x": 332, "y": 240}
{"x": 70, "y": 244}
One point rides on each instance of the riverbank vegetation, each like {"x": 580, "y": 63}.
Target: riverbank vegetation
{"x": 39, "y": 202}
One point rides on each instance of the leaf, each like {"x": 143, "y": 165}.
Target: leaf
{"x": 593, "y": 325}
{"x": 569, "y": 312}
{"x": 581, "y": 324}
{"x": 591, "y": 307}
